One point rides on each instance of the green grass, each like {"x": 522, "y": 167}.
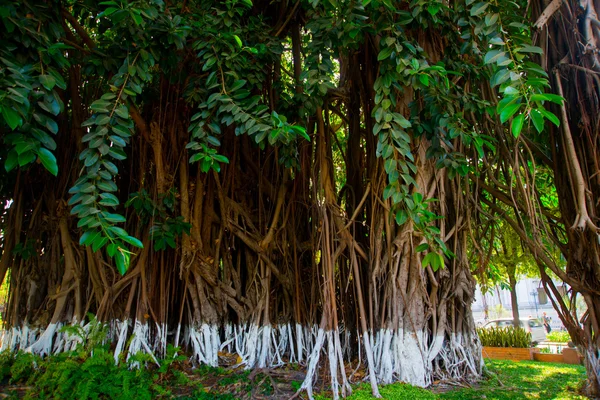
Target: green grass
{"x": 395, "y": 391}
{"x": 525, "y": 380}
{"x": 521, "y": 380}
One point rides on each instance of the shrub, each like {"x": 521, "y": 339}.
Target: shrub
{"x": 504, "y": 337}
{"x": 558, "y": 336}
{"x": 90, "y": 372}
{"x": 69, "y": 377}
{"x": 6, "y": 361}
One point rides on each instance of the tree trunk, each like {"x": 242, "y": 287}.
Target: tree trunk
{"x": 514, "y": 302}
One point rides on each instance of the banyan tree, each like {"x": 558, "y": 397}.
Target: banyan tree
{"x": 544, "y": 184}
{"x": 286, "y": 181}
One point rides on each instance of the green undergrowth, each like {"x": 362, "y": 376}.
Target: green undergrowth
{"x": 92, "y": 374}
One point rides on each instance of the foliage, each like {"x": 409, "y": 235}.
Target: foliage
{"x": 7, "y": 359}
{"x": 232, "y": 98}
{"x": 68, "y": 377}
{"x": 558, "y": 336}
{"x": 521, "y": 380}
{"x": 90, "y": 371}
{"x": 167, "y": 226}
{"x": 23, "y": 366}
{"x": 504, "y": 337}
{"x": 31, "y": 61}
{"x": 91, "y": 374}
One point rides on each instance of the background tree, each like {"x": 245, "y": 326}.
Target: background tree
{"x": 566, "y": 37}
{"x": 508, "y": 261}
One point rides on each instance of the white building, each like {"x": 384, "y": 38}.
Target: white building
{"x": 531, "y": 298}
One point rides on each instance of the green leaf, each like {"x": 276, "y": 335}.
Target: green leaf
{"x": 493, "y": 56}
{"x": 549, "y": 97}
{"x": 48, "y": 160}
{"x": 238, "y": 41}
{"x": 119, "y": 232}
{"x": 12, "y": 160}
{"x": 117, "y": 153}
{"x": 110, "y": 167}
{"x": 434, "y": 8}
{"x": 47, "y": 81}
{"x": 538, "y": 120}
{"x": 98, "y": 243}
{"x": 122, "y": 261}
{"x": 479, "y": 8}
{"x": 102, "y": 119}
{"x": 428, "y": 259}
{"x": 88, "y": 237}
{"x": 100, "y": 106}
{"x": 548, "y": 115}
{"x": 422, "y": 247}
{"x": 107, "y": 186}
{"x": 236, "y": 85}
{"x": 221, "y": 158}
{"x": 214, "y": 141}
{"x": 401, "y": 217}
{"x": 438, "y": 261}
{"x": 111, "y": 249}
{"x": 108, "y": 199}
{"x": 122, "y": 112}
{"x": 517, "y": 125}
{"x": 113, "y": 218}
{"x": 137, "y": 19}
{"x": 122, "y": 131}
{"x": 508, "y": 112}
{"x": 385, "y": 53}
{"x": 26, "y": 158}
{"x": 388, "y": 192}
{"x": 12, "y": 118}
{"x": 500, "y": 77}
{"x": 133, "y": 241}
{"x": 527, "y": 48}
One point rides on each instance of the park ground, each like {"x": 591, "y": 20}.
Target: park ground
{"x": 96, "y": 378}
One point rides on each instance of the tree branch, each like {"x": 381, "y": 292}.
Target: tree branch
{"x": 548, "y": 13}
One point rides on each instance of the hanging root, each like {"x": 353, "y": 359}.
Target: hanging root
{"x": 43, "y": 345}
{"x": 140, "y": 343}
{"x": 204, "y": 342}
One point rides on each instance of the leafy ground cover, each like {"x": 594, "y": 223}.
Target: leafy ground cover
{"x": 80, "y": 376}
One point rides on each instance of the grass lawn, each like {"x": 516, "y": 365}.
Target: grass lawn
{"x": 525, "y": 380}
{"x": 521, "y": 380}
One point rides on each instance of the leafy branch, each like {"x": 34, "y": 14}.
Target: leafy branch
{"x": 110, "y": 128}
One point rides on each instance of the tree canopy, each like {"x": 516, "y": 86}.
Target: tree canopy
{"x": 283, "y": 180}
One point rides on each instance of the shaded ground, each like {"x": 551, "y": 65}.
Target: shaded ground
{"x": 92, "y": 378}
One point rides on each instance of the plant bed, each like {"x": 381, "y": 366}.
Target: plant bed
{"x": 548, "y": 357}
{"x": 508, "y": 343}
{"x": 572, "y": 356}
{"x": 507, "y": 353}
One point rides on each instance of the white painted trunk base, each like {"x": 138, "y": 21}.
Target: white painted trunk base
{"x": 397, "y": 355}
